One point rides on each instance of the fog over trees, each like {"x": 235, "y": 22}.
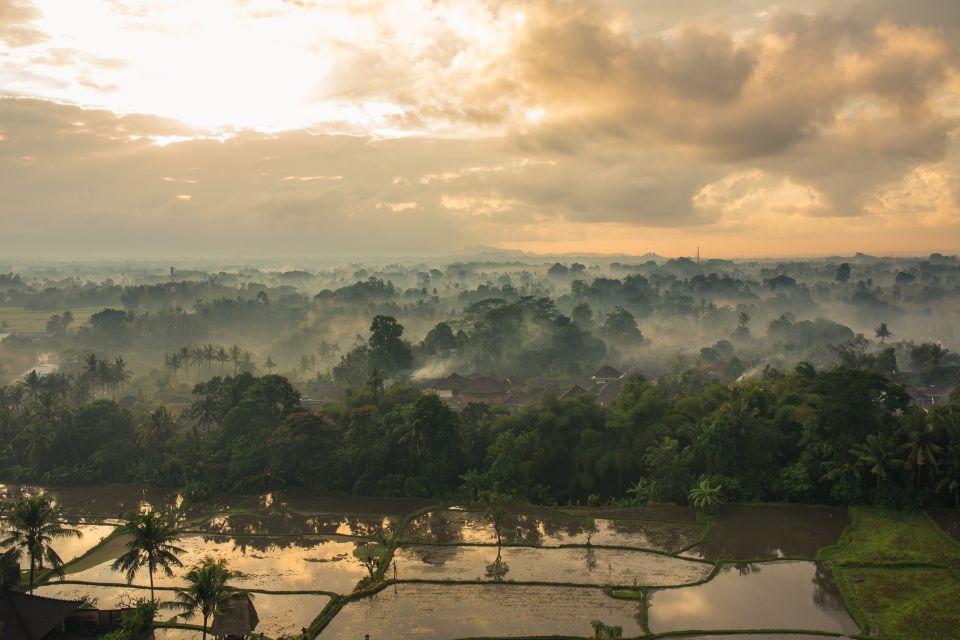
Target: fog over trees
{"x": 554, "y": 380}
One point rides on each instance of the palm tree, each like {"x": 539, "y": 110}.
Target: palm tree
{"x": 236, "y": 357}
{"x": 152, "y": 537}
{"x": 706, "y": 496}
{"x": 876, "y": 454}
{"x": 104, "y": 374}
{"x": 172, "y": 362}
{"x": 209, "y": 354}
{"x": 33, "y": 383}
{"x": 921, "y": 448}
{"x": 208, "y": 591}
{"x": 222, "y": 357}
{"x": 156, "y": 430}
{"x": 39, "y": 436}
{"x": 80, "y": 391}
{"x": 186, "y": 356}
{"x": 205, "y": 412}
{"x": 120, "y": 373}
{"x": 948, "y": 420}
{"x": 197, "y": 355}
{"x": 92, "y": 369}
{"x": 32, "y": 527}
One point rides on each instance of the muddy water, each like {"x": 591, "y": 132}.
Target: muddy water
{"x": 71, "y": 548}
{"x": 113, "y": 501}
{"x": 434, "y": 612}
{"x": 524, "y": 564}
{"x": 106, "y": 597}
{"x": 659, "y": 536}
{"x": 949, "y": 521}
{"x": 772, "y": 595}
{"x": 283, "y": 522}
{"x": 272, "y": 564}
{"x": 279, "y": 614}
{"x": 452, "y": 526}
{"x": 98, "y": 501}
{"x": 758, "y": 532}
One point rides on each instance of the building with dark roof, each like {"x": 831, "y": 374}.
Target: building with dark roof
{"x": 448, "y": 387}
{"x": 484, "y": 390}
{"x": 237, "y": 619}
{"x": 606, "y": 374}
{"x": 574, "y": 390}
{"x": 28, "y": 617}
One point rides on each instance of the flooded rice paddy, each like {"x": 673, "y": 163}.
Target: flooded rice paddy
{"x": 770, "y": 595}
{"x": 271, "y": 564}
{"x": 446, "y": 612}
{"x": 523, "y": 564}
{"x": 749, "y": 532}
{"x": 289, "y": 523}
{"x": 454, "y": 582}
{"x": 458, "y": 526}
{"x": 70, "y": 548}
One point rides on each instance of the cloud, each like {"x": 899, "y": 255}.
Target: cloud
{"x": 531, "y": 124}
{"x": 16, "y": 23}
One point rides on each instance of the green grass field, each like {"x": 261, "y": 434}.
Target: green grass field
{"x": 881, "y": 536}
{"x": 876, "y": 563}
{"x": 903, "y": 603}
{"x": 21, "y": 320}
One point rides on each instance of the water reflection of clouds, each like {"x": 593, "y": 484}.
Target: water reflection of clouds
{"x": 776, "y": 595}
{"x": 569, "y": 565}
{"x": 458, "y": 525}
{"x": 274, "y": 564}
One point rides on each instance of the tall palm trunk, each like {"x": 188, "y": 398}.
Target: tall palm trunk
{"x": 33, "y": 564}
{"x": 205, "y": 626}
{"x": 152, "y": 597}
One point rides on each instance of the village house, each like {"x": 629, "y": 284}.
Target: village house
{"x": 28, "y": 617}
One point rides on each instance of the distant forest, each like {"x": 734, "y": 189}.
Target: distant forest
{"x": 818, "y": 381}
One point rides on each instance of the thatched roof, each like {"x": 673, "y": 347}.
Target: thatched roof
{"x": 239, "y": 617}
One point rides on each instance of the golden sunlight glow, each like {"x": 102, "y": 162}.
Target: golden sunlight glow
{"x": 394, "y": 127}
{"x": 260, "y": 64}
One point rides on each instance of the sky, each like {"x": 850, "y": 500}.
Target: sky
{"x": 271, "y": 128}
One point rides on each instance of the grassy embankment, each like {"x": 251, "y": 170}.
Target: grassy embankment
{"x": 899, "y": 574}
